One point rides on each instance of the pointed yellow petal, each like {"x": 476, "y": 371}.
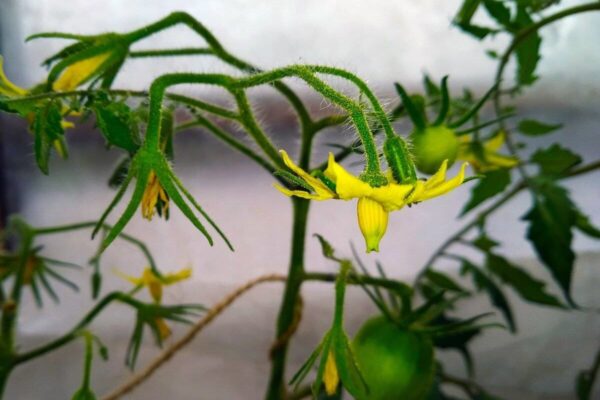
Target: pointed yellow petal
{"x": 153, "y": 284}
{"x": 331, "y": 377}
{"x": 321, "y": 190}
{"x": 444, "y": 187}
{"x": 495, "y": 160}
{"x": 438, "y": 178}
{"x": 7, "y": 88}
{"x": 131, "y": 279}
{"x": 494, "y": 144}
{"x": 373, "y": 221}
{"x": 347, "y": 186}
{"x": 163, "y": 329}
{"x": 178, "y": 276}
{"x": 78, "y": 72}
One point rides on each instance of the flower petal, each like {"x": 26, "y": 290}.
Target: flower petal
{"x": 438, "y": 178}
{"x": 444, "y": 187}
{"x": 322, "y": 192}
{"x": 181, "y": 275}
{"x": 347, "y": 186}
{"x": 78, "y": 72}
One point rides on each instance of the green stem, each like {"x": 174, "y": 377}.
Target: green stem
{"x": 276, "y": 389}
{"x": 187, "y": 51}
{"x": 76, "y": 330}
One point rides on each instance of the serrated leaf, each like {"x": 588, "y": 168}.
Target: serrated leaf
{"x": 550, "y": 221}
{"x": 484, "y": 243}
{"x": 531, "y": 127}
{"x": 497, "y": 10}
{"x": 527, "y": 51}
{"x": 46, "y": 128}
{"x": 497, "y": 297}
{"x": 492, "y": 184}
{"x": 529, "y": 288}
{"x": 555, "y": 160}
{"x": 444, "y": 282}
{"x": 118, "y": 125}
{"x": 583, "y": 224}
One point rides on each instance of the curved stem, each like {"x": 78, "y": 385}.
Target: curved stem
{"x": 74, "y": 332}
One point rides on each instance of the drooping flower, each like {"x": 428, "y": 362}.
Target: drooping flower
{"x": 79, "y": 72}
{"x": 155, "y": 285}
{"x": 155, "y": 199}
{"x": 485, "y": 156}
{"x": 375, "y": 203}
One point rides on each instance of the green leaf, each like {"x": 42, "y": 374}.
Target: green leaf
{"x": 497, "y": 297}
{"x": 524, "y": 284}
{"x": 550, "y": 221}
{"x": 485, "y": 243}
{"x": 466, "y": 12}
{"x": 527, "y": 51}
{"x": 531, "y": 127}
{"x": 480, "y": 32}
{"x": 555, "y": 160}
{"x": 583, "y": 224}
{"x": 444, "y": 282}
{"x": 494, "y": 183}
{"x": 118, "y": 125}
{"x": 47, "y": 129}
{"x": 498, "y": 11}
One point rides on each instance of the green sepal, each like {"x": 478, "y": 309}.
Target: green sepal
{"x": 412, "y": 109}
{"x": 47, "y": 129}
{"x": 118, "y": 125}
{"x": 445, "y": 102}
{"x": 399, "y": 160}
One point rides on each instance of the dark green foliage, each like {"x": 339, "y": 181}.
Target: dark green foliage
{"x": 529, "y": 288}
{"x": 555, "y": 160}
{"x": 484, "y": 283}
{"x": 493, "y": 183}
{"x": 47, "y": 130}
{"x": 531, "y": 127}
{"x": 118, "y": 125}
{"x": 551, "y": 220}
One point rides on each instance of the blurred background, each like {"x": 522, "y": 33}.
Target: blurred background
{"x": 382, "y": 41}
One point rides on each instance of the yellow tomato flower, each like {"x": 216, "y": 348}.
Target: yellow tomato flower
{"x": 155, "y": 287}
{"x": 375, "y": 203}
{"x": 79, "y": 72}
{"x": 331, "y": 377}
{"x": 486, "y": 158}
{"x": 155, "y": 284}
{"x": 155, "y": 198}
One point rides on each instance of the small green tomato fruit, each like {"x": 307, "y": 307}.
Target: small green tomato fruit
{"x": 395, "y": 362}
{"x": 432, "y": 146}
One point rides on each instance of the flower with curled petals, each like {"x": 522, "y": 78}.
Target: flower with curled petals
{"x": 374, "y": 203}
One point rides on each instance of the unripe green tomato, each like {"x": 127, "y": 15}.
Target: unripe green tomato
{"x": 397, "y": 364}
{"x": 432, "y": 146}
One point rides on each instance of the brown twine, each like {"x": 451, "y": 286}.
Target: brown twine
{"x": 166, "y": 355}
{"x": 287, "y": 335}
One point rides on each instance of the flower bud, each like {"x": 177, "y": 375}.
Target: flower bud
{"x": 373, "y": 221}
{"x": 398, "y": 159}
{"x": 331, "y": 377}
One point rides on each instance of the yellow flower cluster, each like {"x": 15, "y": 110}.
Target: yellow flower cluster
{"x": 374, "y": 203}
